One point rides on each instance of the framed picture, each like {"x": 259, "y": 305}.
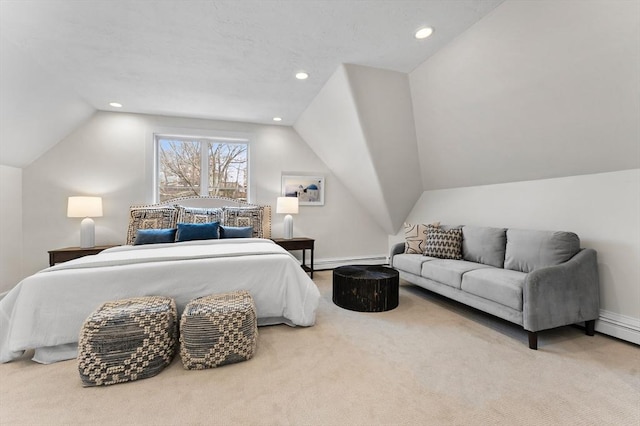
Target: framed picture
{"x": 308, "y": 189}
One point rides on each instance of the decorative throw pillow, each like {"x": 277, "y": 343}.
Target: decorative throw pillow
{"x": 198, "y": 215}
{"x": 245, "y": 217}
{"x": 154, "y": 236}
{"x": 415, "y": 237}
{"x": 236, "y": 231}
{"x": 150, "y": 218}
{"x": 444, "y": 244}
{"x": 197, "y": 231}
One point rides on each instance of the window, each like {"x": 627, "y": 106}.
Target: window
{"x": 188, "y": 166}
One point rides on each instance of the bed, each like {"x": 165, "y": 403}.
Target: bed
{"x": 45, "y": 311}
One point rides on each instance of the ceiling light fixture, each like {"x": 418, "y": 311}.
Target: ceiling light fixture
{"x": 115, "y": 105}
{"x": 277, "y": 119}
{"x": 423, "y": 33}
{"x": 302, "y": 75}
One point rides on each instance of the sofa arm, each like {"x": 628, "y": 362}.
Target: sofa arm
{"x": 563, "y": 294}
{"x": 397, "y": 248}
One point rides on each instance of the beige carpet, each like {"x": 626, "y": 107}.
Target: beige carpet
{"x": 428, "y": 362}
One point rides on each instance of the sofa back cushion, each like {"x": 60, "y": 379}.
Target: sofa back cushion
{"x": 530, "y": 250}
{"x": 484, "y": 245}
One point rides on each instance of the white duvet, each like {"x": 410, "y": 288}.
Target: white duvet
{"x": 46, "y": 310}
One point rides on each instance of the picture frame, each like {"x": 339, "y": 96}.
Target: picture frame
{"x": 308, "y": 189}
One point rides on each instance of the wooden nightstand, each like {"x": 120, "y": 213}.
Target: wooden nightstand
{"x": 70, "y": 253}
{"x": 300, "y": 243}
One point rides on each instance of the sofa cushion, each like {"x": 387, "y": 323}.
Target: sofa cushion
{"x": 448, "y": 271}
{"x": 498, "y": 285}
{"x": 411, "y": 263}
{"x": 484, "y": 245}
{"x": 530, "y": 250}
{"x": 444, "y": 244}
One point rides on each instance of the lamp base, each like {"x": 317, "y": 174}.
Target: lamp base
{"x": 87, "y": 233}
{"x": 288, "y": 227}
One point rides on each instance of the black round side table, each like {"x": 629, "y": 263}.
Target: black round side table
{"x": 366, "y": 288}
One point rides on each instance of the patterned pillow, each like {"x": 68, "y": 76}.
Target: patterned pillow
{"x": 444, "y": 244}
{"x": 150, "y": 218}
{"x": 198, "y": 215}
{"x": 415, "y": 237}
{"x": 245, "y": 216}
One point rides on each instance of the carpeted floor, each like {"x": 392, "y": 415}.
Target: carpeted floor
{"x": 428, "y": 362}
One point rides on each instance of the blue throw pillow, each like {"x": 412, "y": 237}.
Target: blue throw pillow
{"x": 236, "y": 231}
{"x": 197, "y": 231}
{"x": 155, "y": 236}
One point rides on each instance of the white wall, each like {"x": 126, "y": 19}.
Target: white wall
{"x": 361, "y": 125}
{"x": 111, "y": 156}
{"x": 532, "y": 116}
{"x": 534, "y": 90}
{"x": 10, "y": 227}
{"x": 383, "y": 99}
{"x": 603, "y": 209}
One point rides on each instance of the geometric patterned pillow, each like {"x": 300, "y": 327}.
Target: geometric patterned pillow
{"x": 245, "y": 216}
{"x": 444, "y": 244}
{"x": 199, "y": 215}
{"x": 150, "y": 218}
{"x": 415, "y": 237}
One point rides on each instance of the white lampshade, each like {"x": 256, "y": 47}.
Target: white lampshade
{"x": 84, "y": 207}
{"x": 287, "y": 205}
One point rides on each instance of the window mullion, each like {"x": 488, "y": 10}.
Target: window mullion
{"x": 204, "y": 168}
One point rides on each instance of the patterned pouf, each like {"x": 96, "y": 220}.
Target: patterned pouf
{"x": 127, "y": 340}
{"x": 217, "y": 330}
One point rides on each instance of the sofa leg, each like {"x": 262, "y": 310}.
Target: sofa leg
{"x": 533, "y": 340}
{"x": 590, "y": 327}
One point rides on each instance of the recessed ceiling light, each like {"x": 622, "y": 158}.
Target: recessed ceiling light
{"x": 277, "y": 119}
{"x": 302, "y": 75}
{"x": 423, "y": 33}
{"x": 115, "y": 105}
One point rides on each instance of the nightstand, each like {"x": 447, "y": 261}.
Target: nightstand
{"x": 70, "y": 253}
{"x": 300, "y": 243}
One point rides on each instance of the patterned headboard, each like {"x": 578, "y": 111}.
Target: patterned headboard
{"x": 165, "y": 214}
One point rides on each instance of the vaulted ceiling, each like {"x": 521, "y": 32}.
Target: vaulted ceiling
{"x": 231, "y": 60}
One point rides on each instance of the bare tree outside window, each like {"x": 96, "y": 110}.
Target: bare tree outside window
{"x": 181, "y": 168}
{"x": 229, "y": 165}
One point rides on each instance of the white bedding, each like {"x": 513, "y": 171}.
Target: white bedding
{"x": 46, "y": 310}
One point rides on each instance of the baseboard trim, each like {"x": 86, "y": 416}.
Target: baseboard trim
{"x": 621, "y": 326}
{"x": 331, "y": 263}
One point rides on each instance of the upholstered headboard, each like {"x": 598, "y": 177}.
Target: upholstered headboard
{"x": 166, "y": 213}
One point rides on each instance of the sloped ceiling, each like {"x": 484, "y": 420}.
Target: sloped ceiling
{"x": 36, "y": 109}
{"x": 361, "y": 125}
{"x": 507, "y": 101}
{"x": 231, "y": 60}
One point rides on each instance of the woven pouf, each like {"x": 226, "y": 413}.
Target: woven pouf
{"x": 217, "y": 330}
{"x": 127, "y": 340}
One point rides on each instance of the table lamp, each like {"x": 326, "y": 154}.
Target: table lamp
{"x": 85, "y": 207}
{"x": 288, "y": 206}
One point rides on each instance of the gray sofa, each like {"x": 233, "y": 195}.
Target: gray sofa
{"x": 537, "y": 279}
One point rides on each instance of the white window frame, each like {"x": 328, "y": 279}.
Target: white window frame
{"x": 198, "y": 136}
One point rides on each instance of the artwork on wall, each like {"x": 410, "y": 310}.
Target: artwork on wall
{"x": 308, "y": 189}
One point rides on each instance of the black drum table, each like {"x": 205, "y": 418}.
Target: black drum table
{"x": 366, "y": 288}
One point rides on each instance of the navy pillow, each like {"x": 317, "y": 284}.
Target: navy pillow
{"x": 154, "y": 236}
{"x": 236, "y": 231}
{"x": 197, "y": 231}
